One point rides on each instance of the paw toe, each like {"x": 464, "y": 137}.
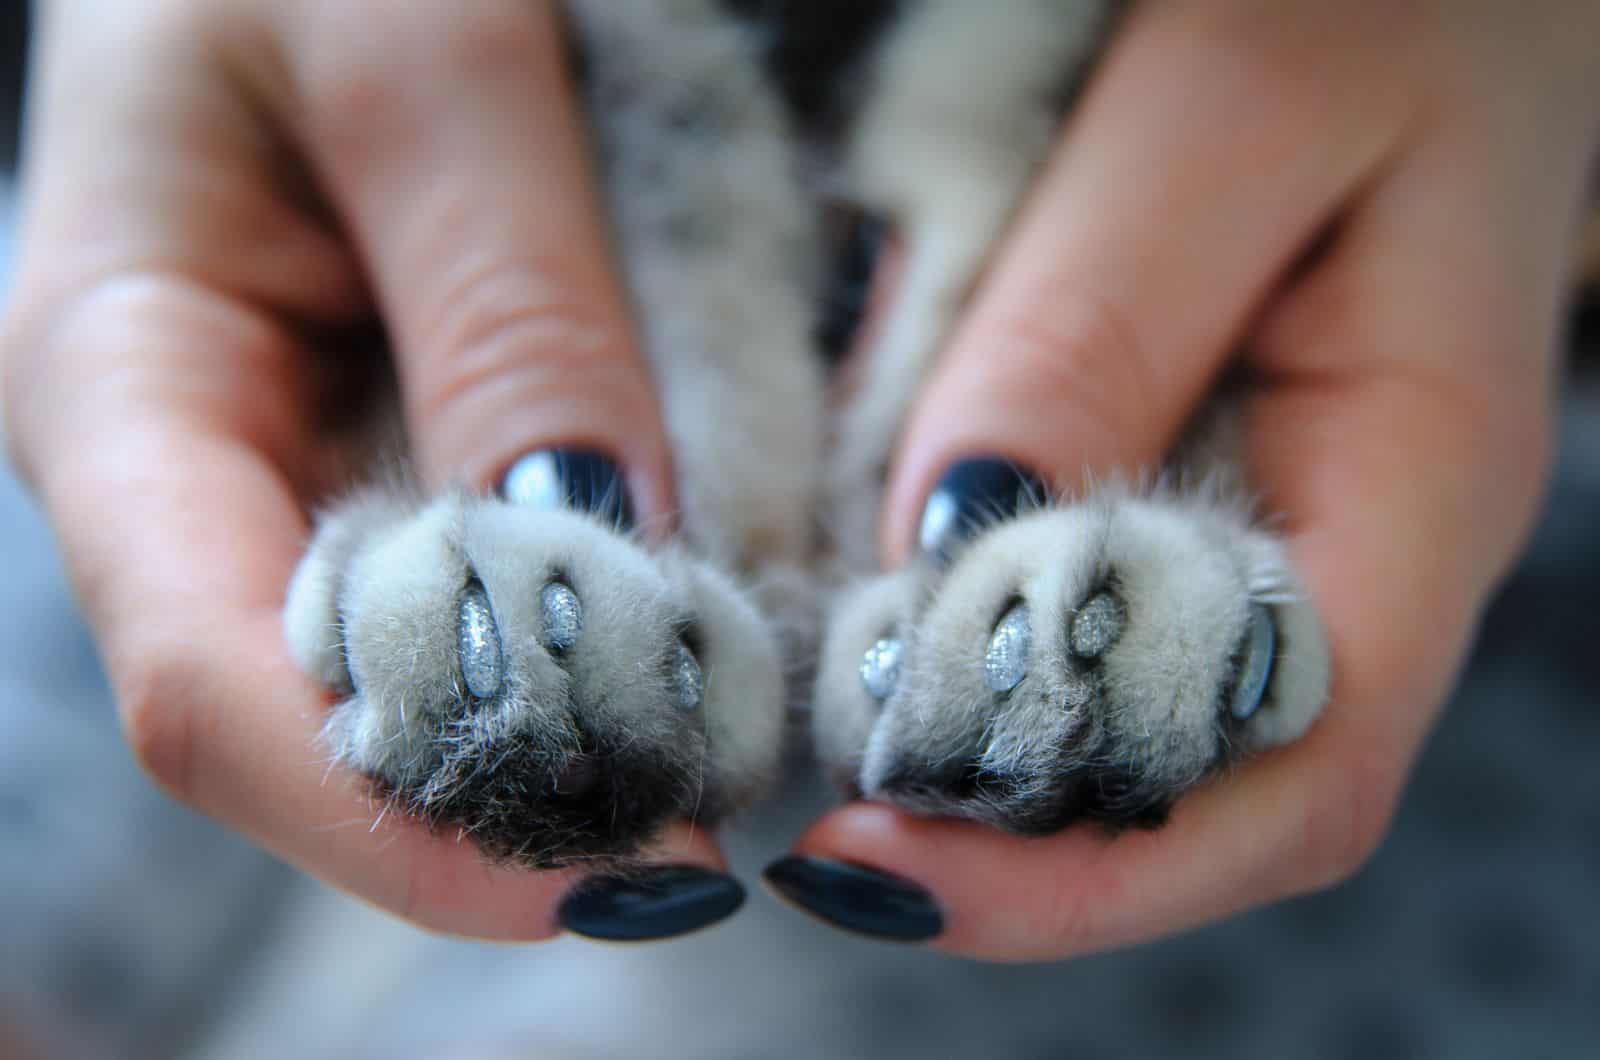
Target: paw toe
{"x": 540, "y": 681}
{"x": 1094, "y": 661}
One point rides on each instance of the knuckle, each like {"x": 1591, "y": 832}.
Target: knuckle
{"x": 1068, "y": 924}
{"x": 1345, "y": 829}
{"x": 1084, "y": 350}
{"x": 155, "y": 696}
{"x": 357, "y": 78}
{"x": 507, "y": 318}
{"x": 526, "y": 352}
{"x": 491, "y": 35}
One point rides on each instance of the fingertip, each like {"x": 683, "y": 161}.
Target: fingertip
{"x": 685, "y": 843}
{"x": 679, "y": 884}
{"x": 856, "y": 898}
{"x": 511, "y": 332}
{"x": 1051, "y": 393}
{"x": 439, "y": 879}
{"x": 649, "y": 904}
{"x": 1281, "y": 825}
{"x": 871, "y": 869}
{"x": 487, "y": 426}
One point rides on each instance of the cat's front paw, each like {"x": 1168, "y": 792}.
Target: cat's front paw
{"x": 1094, "y": 660}
{"x": 534, "y": 676}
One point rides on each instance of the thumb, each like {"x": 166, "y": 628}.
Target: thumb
{"x": 1174, "y": 200}
{"x": 453, "y": 148}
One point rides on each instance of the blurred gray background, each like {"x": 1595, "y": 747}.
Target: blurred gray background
{"x": 132, "y": 928}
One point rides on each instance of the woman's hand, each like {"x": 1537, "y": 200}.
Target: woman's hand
{"x": 1376, "y": 203}
{"x": 216, "y": 196}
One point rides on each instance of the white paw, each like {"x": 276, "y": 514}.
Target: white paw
{"x": 533, "y": 676}
{"x": 1094, "y": 660}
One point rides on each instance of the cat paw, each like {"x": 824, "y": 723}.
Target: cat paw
{"x": 1089, "y": 661}
{"x": 532, "y": 675}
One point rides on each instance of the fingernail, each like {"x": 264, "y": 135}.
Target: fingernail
{"x": 850, "y": 282}
{"x": 657, "y": 903}
{"x": 583, "y": 480}
{"x": 972, "y": 496}
{"x": 856, "y": 898}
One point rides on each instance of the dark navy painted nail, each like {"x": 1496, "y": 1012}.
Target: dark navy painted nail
{"x": 857, "y": 898}
{"x": 657, "y": 903}
{"x": 581, "y": 479}
{"x": 972, "y": 495}
{"x": 850, "y": 282}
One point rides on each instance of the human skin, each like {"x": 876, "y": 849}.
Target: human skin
{"x": 153, "y": 371}
{"x": 1432, "y": 156}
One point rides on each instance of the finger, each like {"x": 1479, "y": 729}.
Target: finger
{"x": 1407, "y": 388}
{"x": 1407, "y": 477}
{"x": 160, "y": 170}
{"x": 1204, "y": 156}
{"x": 164, "y": 417}
{"x": 452, "y": 146}
{"x": 182, "y": 575}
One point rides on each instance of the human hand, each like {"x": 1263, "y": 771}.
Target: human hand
{"x": 214, "y": 194}
{"x": 1376, "y": 204}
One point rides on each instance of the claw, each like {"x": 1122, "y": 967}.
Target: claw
{"x": 1097, "y": 626}
{"x": 562, "y": 614}
{"x": 880, "y": 668}
{"x": 1005, "y": 664}
{"x": 478, "y": 643}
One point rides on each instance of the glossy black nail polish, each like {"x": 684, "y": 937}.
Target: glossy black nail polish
{"x": 658, "y": 903}
{"x": 856, "y": 898}
{"x": 972, "y": 495}
{"x": 583, "y": 480}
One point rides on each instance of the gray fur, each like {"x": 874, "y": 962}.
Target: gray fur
{"x": 1115, "y": 736}
{"x": 579, "y": 745}
{"x": 539, "y": 770}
